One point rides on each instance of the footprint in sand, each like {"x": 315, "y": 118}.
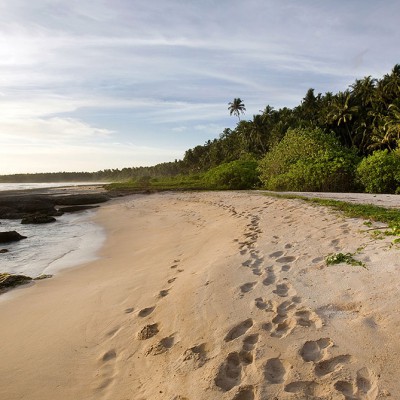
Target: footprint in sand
{"x": 105, "y": 377}
{"x": 286, "y": 259}
{"x": 266, "y": 305}
{"x": 113, "y": 332}
{"x": 250, "y": 341}
{"x": 306, "y": 388}
{"x": 163, "y": 293}
{"x": 239, "y": 330}
{"x": 307, "y": 318}
{"x": 315, "y": 350}
{"x": 365, "y": 387}
{"x": 285, "y": 268}
{"x": 129, "y": 310}
{"x": 282, "y": 289}
{"x": 247, "y": 287}
{"x": 276, "y": 254}
{"x": 245, "y": 393}
{"x": 276, "y": 370}
{"x": 282, "y": 324}
{"x": 283, "y": 328}
{"x": 109, "y": 355}
{"x": 326, "y": 367}
{"x": 271, "y": 277}
{"x": 146, "y": 311}
{"x": 229, "y": 373}
{"x": 193, "y": 358}
{"x": 171, "y": 280}
{"x": 317, "y": 260}
{"x": 246, "y": 354}
{"x": 284, "y": 308}
{"x": 161, "y": 347}
{"x": 147, "y": 332}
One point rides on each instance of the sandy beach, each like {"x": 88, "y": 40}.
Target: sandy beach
{"x": 222, "y": 295}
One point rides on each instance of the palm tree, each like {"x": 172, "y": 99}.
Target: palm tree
{"x": 341, "y": 113}
{"x": 236, "y": 107}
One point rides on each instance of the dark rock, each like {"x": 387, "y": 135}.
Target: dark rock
{"x": 43, "y": 276}
{"x": 18, "y": 206}
{"x": 69, "y": 209}
{"x": 80, "y": 199}
{"x": 9, "y": 280}
{"x": 15, "y": 207}
{"x": 3, "y": 251}
{"x": 10, "y": 236}
{"x": 38, "y": 219}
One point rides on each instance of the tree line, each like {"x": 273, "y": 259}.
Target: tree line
{"x": 360, "y": 122}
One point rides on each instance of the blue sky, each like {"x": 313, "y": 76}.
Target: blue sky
{"x": 88, "y": 85}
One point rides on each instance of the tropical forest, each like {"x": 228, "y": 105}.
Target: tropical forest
{"x": 333, "y": 142}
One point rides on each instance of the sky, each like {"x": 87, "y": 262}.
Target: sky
{"x": 87, "y": 85}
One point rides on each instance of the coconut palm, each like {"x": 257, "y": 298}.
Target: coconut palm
{"x": 236, "y": 107}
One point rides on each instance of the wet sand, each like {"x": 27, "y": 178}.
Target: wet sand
{"x": 211, "y": 296}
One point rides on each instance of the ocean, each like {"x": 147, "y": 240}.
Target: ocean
{"x": 72, "y": 240}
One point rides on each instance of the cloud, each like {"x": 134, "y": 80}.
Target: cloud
{"x": 56, "y": 129}
{"x": 42, "y": 157}
{"x": 155, "y": 72}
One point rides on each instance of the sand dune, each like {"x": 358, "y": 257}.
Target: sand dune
{"x": 211, "y": 296}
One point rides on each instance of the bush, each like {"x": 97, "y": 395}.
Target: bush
{"x": 309, "y": 160}
{"x": 380, "y": 172}
{"x": 239, "y": 174}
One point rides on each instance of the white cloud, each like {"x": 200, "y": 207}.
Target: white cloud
{"x": 60, "y": 130}
{"x": 155, "y": 72}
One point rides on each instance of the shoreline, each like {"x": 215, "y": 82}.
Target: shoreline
{"x": 192, "y": 285}
{"x": 69, "y": 238}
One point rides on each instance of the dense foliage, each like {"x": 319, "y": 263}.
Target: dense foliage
{"x": 380, "y": 172}
{"x": 359, "y": 121}
{"x": 309, "y": 160}
{"x": 239, "y": 174}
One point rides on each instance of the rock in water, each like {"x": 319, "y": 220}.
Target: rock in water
{"x": 38, "y": 219}
{"x": 10, "y": 236}
{"x": 9, "y": 280}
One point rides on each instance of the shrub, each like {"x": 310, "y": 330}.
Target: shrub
{"x": 309, "y": 160}
{"x": 239, "y": 174}
{"x": 380, "y": 172}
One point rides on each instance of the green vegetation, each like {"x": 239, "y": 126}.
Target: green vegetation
{"x": 309, "y": 160}
{"x": 368, "y": 212}
{"x": 149, "y": 184}
{"x": 239, "y": 174}
{"x": 329, "y": 142}
{"x": 236, "y": 107}
{"x": 347, "y": 258}
{"x": 380, "y": 172}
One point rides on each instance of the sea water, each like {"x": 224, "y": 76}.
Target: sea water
{"x": 74, "y": 239}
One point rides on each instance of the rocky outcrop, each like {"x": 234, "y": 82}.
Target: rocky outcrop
{"x": 9, "y": 281}
{"x": 10, "y": 236}
{"x": 38, "y": 219}
{"x": 14, "y": 207}
{"x": 25, "y": 205}
{"x": 69, "y": 209}
{"x": 80, "y": 199}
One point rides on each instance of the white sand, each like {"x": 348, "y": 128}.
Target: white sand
{"x": 211, "y": 296}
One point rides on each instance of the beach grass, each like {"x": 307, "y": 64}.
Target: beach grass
{"x": 190, "y": 182}
{"x": 370, "y": 212}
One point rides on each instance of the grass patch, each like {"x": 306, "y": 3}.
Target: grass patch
{"x": 148, "y": 184}
{"x": 368, "y": 212}
{"x": 347, "y": 258}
